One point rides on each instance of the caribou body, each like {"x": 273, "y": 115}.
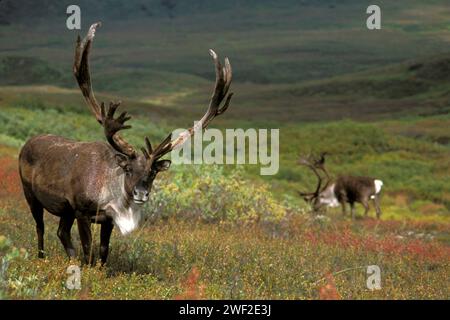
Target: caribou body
{"x": 342, "y": 190}
{"x": 100, "y": 182}
{"x": 352, "y": 189}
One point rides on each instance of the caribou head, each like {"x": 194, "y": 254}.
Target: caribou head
{"x": 142, "y": 167}
{"x": 322, "y": 195}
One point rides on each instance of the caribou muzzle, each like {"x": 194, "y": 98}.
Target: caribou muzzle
{"x": 140, "y": 195}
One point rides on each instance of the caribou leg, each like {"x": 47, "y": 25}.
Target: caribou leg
{"x": 65, "y": 225}
{"x": 84, "y": 228}
{"x": 376, "y": 202}
{"x": 352, "y": 208}
{"x": 37, "y": 211}
{"x": 38, "y": 214}
{"x": 105, "y": 235}
{"x": 365, "y": 203}
{"x": 344, "y": 208}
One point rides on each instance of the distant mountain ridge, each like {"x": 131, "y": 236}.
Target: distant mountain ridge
{"x": 162, "y": 45}
{"x": 27, "y": 11}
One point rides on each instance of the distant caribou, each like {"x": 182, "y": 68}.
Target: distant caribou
{"x": 100, "y": 182}
{"x": 345, "y": 189}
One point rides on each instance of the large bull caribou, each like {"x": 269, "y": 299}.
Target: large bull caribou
{"x": 102, "y": 182}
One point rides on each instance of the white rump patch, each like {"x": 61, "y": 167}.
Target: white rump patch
{"x": 378, "y": 185}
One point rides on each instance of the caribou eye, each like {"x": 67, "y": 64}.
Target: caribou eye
{"x": 127, "y": 169}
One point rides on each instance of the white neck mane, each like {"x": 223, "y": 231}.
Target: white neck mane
{"x": 329, "y": 197}
{"x": 125, "y": 213}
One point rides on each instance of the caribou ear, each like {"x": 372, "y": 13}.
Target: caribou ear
{"x": 162, "y": 165}
{"x": 122, "y": 160}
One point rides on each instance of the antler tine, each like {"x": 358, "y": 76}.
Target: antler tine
{"x": 320, "y": 164}
{"x": 303, "y": 161}
{"x": 223, "y": 82}
{"x": 221, "y": 88}
{"x": 163, "y": 148}
{"x": 306, "y": 161}
{"x": 319, "y": 181}
{"x": 81, "y": 69}
{"x": 106, "y": 119}
{"x": 326, "y": 172}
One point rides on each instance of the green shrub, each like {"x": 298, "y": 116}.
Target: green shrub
{"x": 205, "y": 192}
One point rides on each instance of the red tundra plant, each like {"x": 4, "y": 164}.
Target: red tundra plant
{"x": 426, "y": 251}
{"x": 192, "y": 289}
{"x": 389, "y": 245}
{"x": 394, "y": 226}
{"x": 385, "y": 225}
{"x": 329, "y": 291}
{"x": 9, "y": 178}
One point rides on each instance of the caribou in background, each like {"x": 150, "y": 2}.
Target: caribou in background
{"x": 342, "y": 190}
{"x": 100, "y": 182}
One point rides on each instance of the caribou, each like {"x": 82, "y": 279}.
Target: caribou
{"x": 101, "y": 182}
{"x": 344, "y": 189}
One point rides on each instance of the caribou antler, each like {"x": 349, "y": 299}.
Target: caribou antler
{"x": 82, "y": 74}
{"x": 319, "y": 163}
{"x": 222, "y": 85}
{"x": 311, "y": 163}
{"x": 112, "y": 126}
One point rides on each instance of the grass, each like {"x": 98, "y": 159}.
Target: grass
{"x": 257, "y": 240}
{"x": 178, "y": 259}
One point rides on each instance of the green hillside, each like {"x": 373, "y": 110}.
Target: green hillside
{"x": 267, "y": 41}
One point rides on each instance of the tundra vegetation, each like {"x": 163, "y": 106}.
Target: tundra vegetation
{"x": 225, "y": 231}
